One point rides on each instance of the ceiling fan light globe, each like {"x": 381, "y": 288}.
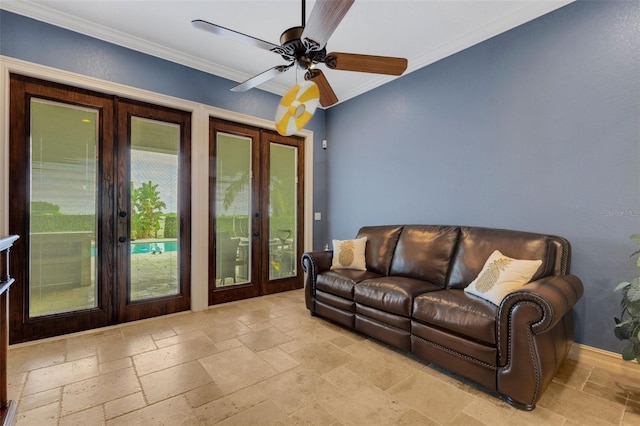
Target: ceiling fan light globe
{"x": 297, "y": 107}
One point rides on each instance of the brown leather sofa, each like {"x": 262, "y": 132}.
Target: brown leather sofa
{"x": 411, "y": 296}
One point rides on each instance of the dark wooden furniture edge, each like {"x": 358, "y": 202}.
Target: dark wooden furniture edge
{"x": 8, "y": 409}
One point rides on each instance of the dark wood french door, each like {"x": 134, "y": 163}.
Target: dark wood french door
{"x": 100, "y": 195}
{"x": 256, "y": 211}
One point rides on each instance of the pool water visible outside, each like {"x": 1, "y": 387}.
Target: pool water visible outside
{"x": 151, "y": 247}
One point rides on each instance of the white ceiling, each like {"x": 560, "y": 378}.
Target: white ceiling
{"x": 421, "y": 31}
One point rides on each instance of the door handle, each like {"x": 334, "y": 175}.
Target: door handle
{"x": 256, "y": 234}
{"x": 122, "y": 214}
{"x": 122, "y": 239}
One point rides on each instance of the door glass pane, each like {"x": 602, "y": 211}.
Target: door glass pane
{"x": 283, "y": 168}
{"x": 62, "y": 216}
{"x": 233, "y": 209}
{"x": 154, "y": 245}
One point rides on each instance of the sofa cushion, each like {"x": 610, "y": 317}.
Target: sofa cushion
{"x": 476, "y": 245}
{"x": 341, "y": 282}
{"x": 381, "y": 242}
{"x": 349, "y": 254}
{"x": 458, "y": 312}
{"x": 424, "y": 252}
{"x": 502, "y": 275}
{"x": 391, "y": 294}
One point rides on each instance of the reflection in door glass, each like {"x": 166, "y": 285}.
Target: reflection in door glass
{"x": 282, "y": 211}
{"x": 232, "y": 209}
{"x": 62, "y": 216}
{"x": 154, "y": 209}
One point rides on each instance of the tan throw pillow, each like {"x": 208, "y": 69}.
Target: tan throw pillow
{"x": 349, "y": 254}
{"x": 502, "y": 275}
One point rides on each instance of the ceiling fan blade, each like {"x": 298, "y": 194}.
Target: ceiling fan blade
{"x": 366, "y": 63}
{"x": 261, "y": 78}
{"x": 234, "y": 35}
{"x": 323, "y": 21}
{"x": 327, "y": 95}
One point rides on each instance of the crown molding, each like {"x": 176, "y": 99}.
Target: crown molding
{"x": 45, "y": 14}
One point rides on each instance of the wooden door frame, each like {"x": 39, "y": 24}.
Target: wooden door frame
{"x": 112, "y": 301}
{"x": 241, "y": 291}
{"x": 125, "y": 309}
{"x": 261, "y": 142}
{"x": 200, "y": 166}
{"x": 282, "y": 284}
{"x": 22, "y": 327}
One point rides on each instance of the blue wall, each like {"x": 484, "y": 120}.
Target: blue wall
{"x": 45, "y": 44}
{"x": 537, "y": 129}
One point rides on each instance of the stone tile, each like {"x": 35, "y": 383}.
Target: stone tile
{"x": 163, "y": 334}
{"x": 621, "y": 384}
{"x": 91, "y": 417}
{"x": 40, "y": 399}
{"x": 170, "y": 356}
{"x": 60, "y": 374}
{"x": 322, "y": 357}
{"x": 125, "y": 347}
{"x": 33, "y": 356}
{"x": 631, "y": 414}
{"x": 228, "y": 330}
{"x": 314, "y": 333}
{"x": 173, "y": 381}
{"x": 580, "y": 406}
{"x": 431, "y": 397}
{"x": 124, "y": 405}
{"x": 44, "y": 415}
{"x": 368, "y": 405}
{"x": 313, "y": 415}
{"x": 203, "y": 394}
{"x": 180, "y": 338}
{"x": 296, "y": 388}
{"x": 539, "y": 416}
{"x": 573, "y": 374}
{"x": 259, "y": 316}
{"x": 265, "y": 413}
{"x": 494, "y": 412}
{"x": 264, "y": 339}
{"x": 228, "y": 364}
{"x": 230, "y": 405}
{"x": 413, "y": 418}
{"x": 173, "y": 411}
{"x": 98, "y": 390}
{"x": 278, "y": 359}
{"x": 236, "y": 368}
{"x": 614, "y": 394}
{"x": 81, "y": 347}
{"x": 117, "y": 364}
{"x": 462, "y": 419}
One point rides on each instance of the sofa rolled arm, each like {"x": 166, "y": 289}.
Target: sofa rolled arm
{"x": 313, "y": 263}
{"x": 555, "y": 295}
{"x": 534, "y": 335}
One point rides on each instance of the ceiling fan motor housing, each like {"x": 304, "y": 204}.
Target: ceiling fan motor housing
{"x": 293, "y": 49}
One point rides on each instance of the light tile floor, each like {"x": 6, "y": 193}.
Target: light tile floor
{"x": 266, "y": 361}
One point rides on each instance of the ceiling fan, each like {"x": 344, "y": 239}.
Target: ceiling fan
{"x": 305, "y": 47}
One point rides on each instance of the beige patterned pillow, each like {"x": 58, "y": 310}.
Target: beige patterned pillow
{"x": 502, "y": 275}
{"x": 349, "y": 254}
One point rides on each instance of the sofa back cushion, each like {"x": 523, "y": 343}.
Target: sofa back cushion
{"x": 476, "y": 245}
{"x": 381, "y": 242}
{"x": 424, "y": 252}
